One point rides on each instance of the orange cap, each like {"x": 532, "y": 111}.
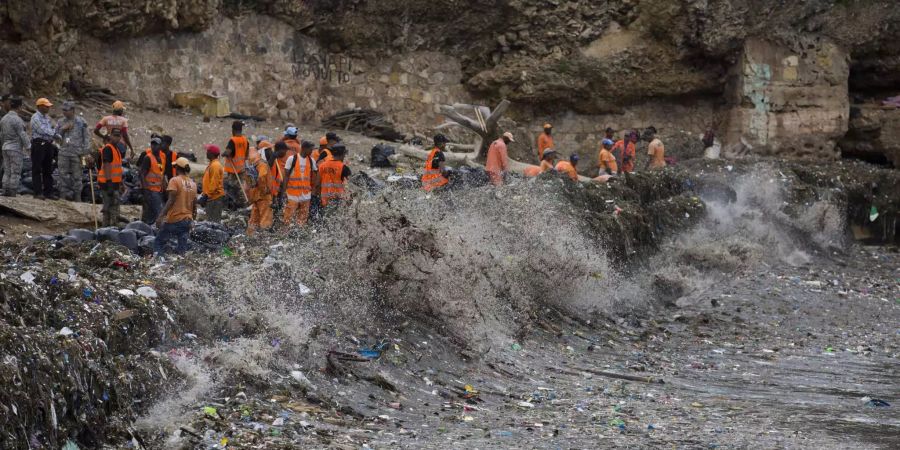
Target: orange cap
{"x": 117, "y": 105}
{"x": 43, "y": 102}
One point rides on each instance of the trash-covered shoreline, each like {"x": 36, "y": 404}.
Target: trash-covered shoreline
{"x": 540, "y": 316}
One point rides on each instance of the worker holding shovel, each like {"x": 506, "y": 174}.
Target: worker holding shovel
{"x": 236, "y": 152}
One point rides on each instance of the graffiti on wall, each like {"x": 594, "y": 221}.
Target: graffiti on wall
{"x": 323, "y": 66}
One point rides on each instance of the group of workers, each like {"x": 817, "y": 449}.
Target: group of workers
{"x": 289, "y": 175}
{"x": 614, "y": 158}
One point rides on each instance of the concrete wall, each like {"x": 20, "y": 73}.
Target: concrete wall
{"x": 267, "y": 69}
{"x": 790, "y": 101}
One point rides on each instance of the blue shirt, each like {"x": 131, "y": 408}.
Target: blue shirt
{"x": 42, "y": 127}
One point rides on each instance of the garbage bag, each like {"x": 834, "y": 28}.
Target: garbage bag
{"x": 129, "y": 239}
{"x": 81, "y": 235}
{"x": 139, "y": 226}
{"x": 108, "y": 234}
{"x": 380, "y": 155}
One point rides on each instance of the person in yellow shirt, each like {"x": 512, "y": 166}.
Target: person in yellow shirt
{"x": 606, "y": 161}
{"x": 545, "y": 141}
{"x": 656, "y": 150}
{"x": 214, "y": 185}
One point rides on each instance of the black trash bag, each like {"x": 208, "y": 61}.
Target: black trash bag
{"x": 140, "y": 226}
{"x": 381, "y": 154}
{"x": 129, "y": 239}
{"x": 108, "y": 234}
{"x": 363, "y": 180}
{"x": 81, "y": 235}
{"x": 188, "y": 156}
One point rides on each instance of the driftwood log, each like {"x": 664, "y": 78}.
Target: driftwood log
{"x": 484, "y": 124}
{"x": 469, "y": 159}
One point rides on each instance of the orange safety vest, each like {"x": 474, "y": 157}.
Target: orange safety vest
{"x": 567, "y": 168}
{"x": 433, "y": 178}
{"x": 293, "y": 147}
{"x": 299, "y": 184}
{"x": 317, "y": 154}
{"x": 278, "y": 174}
{"x": 153, "y": 180}
{"x": 241, "y": 148}
{"x": 110, "y": 172}
{"x": 332, "y": 183}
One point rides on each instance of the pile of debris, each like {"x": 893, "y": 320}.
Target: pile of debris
{"x": 365, "y": 121}
{"x": 138, "y": 237}
{"x": 78, "y": 329}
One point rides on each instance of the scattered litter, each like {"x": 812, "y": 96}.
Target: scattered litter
{"x": 65, "y": 331}
{"x": 27, "y": 277}
{"x": 146, "y": 291}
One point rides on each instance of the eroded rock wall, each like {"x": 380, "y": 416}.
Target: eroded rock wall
{"x": 268, "y": 69}
{"x": 790, "y": 100}
{"x": 549, "y": 57}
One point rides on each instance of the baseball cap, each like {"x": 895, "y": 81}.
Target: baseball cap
{"x": 68, "y": 106}
{"x": 574, "y": 158}
{"x": 509, "y": 136}
{"x": 212, "y": 148}
{"x": 117, "y": 105}
{"x": 183, "y": 163}
{"x": 290, "y": 131}
{"x": 608, "y": 142}
{"x": 156, "y": 140}
{"x": 547, "y": 125}
{"x": 43, "y": 102}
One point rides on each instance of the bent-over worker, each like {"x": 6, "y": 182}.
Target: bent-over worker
{"x": 548, "y": 163}
{"x": 177, "y": 217}
{"x": 568, "y": 168}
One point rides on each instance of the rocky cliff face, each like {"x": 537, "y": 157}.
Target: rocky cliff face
{"x": 777, "y": 74}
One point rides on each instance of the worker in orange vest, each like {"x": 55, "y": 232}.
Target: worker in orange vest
{"x": 279, "y": 156}
{"x": 151, "y": 168}
{"x": 325, "y": 153}
{"x": 259, "y": 193}
{"x": 547, "y": 164}
{"x": 656, "y": 150}
{"x": 568, "y": 168}
{"x": 213, "y": 188}
{"x": 606, "y": 162}
{"x": 497, "y": 159}
{"x": 545, "y": 141}
{"x": 323, "y": 146}
{"x": 333, "y": 174}
{"x": 435, "y": 176}
{"x": 109, "y": 176}
{"x": 236, "y": 151}
{"x": 301, "y": 178}
{"x": 293, "y": 143}
{"x": 625, "y": 152}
